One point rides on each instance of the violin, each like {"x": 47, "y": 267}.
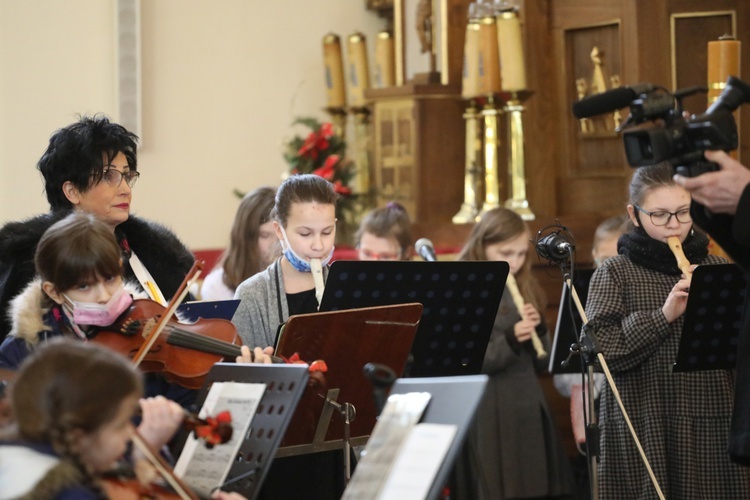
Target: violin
{"x": 183, "y": 352}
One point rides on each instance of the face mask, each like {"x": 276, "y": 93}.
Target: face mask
{"x": 89, "y": 313}
{"x": 295, "y": 260}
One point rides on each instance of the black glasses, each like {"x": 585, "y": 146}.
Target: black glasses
{"x": 114, "y": 177}
{"x": 662, "y": 217}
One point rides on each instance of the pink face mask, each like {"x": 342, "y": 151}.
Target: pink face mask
{"x": 90, "y": 313}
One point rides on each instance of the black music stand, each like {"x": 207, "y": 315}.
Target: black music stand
{"x": 567, "y": 329}
{"x": 284, "y": 387}
{"x": 454, "y": 401}
{"x": 460, "y": 305}
{"x": 712, "y": 319}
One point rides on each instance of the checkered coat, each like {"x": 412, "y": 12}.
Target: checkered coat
{"x": 681, "y": 419}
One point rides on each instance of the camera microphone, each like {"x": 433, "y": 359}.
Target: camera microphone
{"x": 424, "y": 248}
{"x": 609, "y": 101}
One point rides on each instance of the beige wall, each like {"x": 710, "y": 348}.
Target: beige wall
{"x": 222, "y": 81}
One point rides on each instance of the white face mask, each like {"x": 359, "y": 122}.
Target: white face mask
{"x": 91, "y": 313}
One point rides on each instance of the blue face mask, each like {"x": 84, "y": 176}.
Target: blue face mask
{"x": 295, "y": 260}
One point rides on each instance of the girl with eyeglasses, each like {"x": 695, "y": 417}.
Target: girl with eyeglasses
{"x": 635, "y": 307}
{"x": 385, "y": 234}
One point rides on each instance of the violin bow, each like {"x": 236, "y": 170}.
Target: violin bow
{"x": 164, "y": 470}
{"x": 191, "y": 277}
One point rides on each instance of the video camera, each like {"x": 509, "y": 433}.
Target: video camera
{"x": 672, "y": 138}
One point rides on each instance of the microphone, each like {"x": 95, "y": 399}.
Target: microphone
{"x": 424, "y": 248}
{"x": 554, "y": 247}
{"x": 609, "y": 101}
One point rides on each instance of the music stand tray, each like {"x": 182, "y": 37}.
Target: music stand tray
{"x": 567, "y": 329}
{"x": 454, "y": 401}
{"x": 712, "y": 319}
{"x": 346, "y": 341}
{"x": 460, "y": 305}
{"x": 284, "y": 387}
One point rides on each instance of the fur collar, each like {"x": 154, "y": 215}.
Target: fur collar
{"x": 30, "y": 307}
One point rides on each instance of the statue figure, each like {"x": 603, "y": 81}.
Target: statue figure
{"x": 424, "y": 24}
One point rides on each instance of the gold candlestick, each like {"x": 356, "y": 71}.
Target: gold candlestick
{"x": 385, "y": 64}
{"x": 468, "y": 211}
{"x": 334, "y": 71}
{"x": 516, "y": 161}
{"x": 490, "y": 113}
{"x": 359, "y": 71}
{"x": 362, "y": 175}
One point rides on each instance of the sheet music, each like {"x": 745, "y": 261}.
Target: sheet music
{"x": 400, "y": 415}
{"x": 418, "y": 462}
{"x": 203, "y": 469}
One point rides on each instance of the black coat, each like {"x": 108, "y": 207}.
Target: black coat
{"x": 161, "y": 252}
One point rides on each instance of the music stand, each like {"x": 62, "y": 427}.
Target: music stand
{"x": 454, "y": 401}
{"x": 346, "y": 341}
{"x": 567, "y": 329}
{"x": 284, "y": 387}
{"x": 712, "y": 319}
{"x": 460, "y": 305}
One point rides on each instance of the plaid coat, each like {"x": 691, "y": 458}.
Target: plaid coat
{"x": 681, "y": 419}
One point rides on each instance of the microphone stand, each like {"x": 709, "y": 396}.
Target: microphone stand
{"x": 588, "y": 347}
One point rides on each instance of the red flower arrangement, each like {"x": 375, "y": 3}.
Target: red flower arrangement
{"x": 322, "y": 153}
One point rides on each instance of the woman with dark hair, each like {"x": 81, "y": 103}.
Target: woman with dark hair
{"x": 91, "y": 166}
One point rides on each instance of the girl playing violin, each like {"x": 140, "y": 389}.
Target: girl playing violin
{"x": 635, "y": 307}
{"x": 74, "y": 402}
{"x": 514, "y": 441}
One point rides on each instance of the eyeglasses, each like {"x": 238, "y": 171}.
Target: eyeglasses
{"x": 114, "y": 177}
{"x": 662, "y": 217}
{"x": 369, "y": 255}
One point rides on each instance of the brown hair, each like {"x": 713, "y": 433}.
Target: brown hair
{"x": 390, "y": 221}
{"x": 496, "y": 226}
{"x": 242, "y": 258}
{"x": 76, "y": 249}
{"x": 66, "y": 385}
{"x": 648, "y": 178}
{"x": 301, "y": 188}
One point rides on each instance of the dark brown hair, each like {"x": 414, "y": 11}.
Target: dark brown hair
{"x": 496, "y": 226}
{"x": 76, "y": 249}
{"x": 650, "y": 177}
{"x": 301, "y": 188}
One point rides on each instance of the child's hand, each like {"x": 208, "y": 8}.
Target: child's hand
{"x": 161, "y": 419}
{"x": 676, "y": 302}
{"x": 223, "y": 495}
{"x": 523, "y": 330}
{"x": 257, "y": 355}
{"x": 531, "y": 314}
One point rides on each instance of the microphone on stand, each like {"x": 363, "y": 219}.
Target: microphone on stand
{"x": 424, "y": 248}
{"x": 555, "y": 246}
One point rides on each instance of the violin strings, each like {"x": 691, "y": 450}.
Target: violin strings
{"x": 192, "y": 340}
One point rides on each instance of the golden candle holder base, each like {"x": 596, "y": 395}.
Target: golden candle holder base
{"x": 467, "y": 214}
{"x": 491, "y": 114}
{"x": 338, "y": 119}
{"x": 516, "y": 160}
{"x": 362, "y": 151}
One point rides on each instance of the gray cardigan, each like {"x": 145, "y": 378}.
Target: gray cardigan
{"x": 257, "y": 317}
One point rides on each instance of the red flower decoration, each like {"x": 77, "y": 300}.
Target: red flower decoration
{"x": 216, "y": 430}
{"x": 328, "y": 169}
